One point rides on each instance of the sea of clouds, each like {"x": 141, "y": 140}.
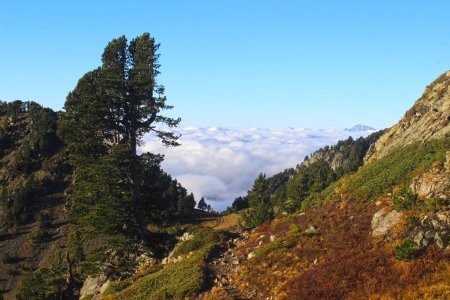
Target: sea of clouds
{"x": 221, "y": 164}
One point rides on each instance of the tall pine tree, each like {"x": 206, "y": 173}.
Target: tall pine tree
{"x": 259, "y": 202}
{"x": 105, "y": 118}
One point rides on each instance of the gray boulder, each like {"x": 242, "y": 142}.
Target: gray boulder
{"x": 383, "y": 221}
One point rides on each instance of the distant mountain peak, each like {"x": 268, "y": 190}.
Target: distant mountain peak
{"x": 360, "y": 127}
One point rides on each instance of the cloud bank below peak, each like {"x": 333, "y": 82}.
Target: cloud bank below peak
{"x": 221, "y": 163}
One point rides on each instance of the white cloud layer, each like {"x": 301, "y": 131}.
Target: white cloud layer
{"x": 221, "y": 164}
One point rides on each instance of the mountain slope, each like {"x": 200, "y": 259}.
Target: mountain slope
{"x": 380, "y": 232}
{"x": 429, "y": 118}
{"x": 33, "y": 204}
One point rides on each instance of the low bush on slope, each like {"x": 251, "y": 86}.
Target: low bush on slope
{"x": 382, "y": 176}
{"x": 175, "y": 280}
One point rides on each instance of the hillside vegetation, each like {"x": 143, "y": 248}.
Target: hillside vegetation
{"x": 84, "y": 216}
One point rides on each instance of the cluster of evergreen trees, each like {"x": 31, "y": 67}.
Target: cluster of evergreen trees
{"x": 287, "y": 190}
{"x": 35, "y": 126}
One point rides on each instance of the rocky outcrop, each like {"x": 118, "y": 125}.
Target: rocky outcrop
{"x": 170, "y": 259}
{"x": 334, "y": 157}
{"x": 429, "y": 118}
{"x": 383, "y": 221}
{"x": 434, "y": 184}
{"x": 94, "y": 287}
{"x": 345, "y": 154}
{"x": 433, "y": 229}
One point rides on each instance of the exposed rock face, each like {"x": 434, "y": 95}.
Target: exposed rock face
{"x": 383, "y": 221}
{"x": 334, "y": 157}
{"x": 433, "y": 229}
{"x": 93, "y": 286}
{"x": 170, "y": 258}
{"x": 186, "y": 237}
{"x": 434, "y": 184}
{"x": 144, "y": 261}
{"x": 429, "y": 118}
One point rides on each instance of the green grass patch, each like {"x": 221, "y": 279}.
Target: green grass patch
{"x": 123, "y": 284}
{"x": 174, "y": 281}
{"x": 435, "y": 204}
{"x": 396, "y": 169}
{"x": 381, "y": 176}
{"x": 202, "y": 237}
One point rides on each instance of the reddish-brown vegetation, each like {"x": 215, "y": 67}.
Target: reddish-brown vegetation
{"x": 341, "y": 260}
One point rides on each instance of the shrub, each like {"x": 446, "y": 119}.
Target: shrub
{"x": 277, "y": 247}
{"x": 123, "y": 284}
{"x": 404, "y": 199}
{"x": 75, "y": 247}
{"x": 202, "y": 237}
{"x": 407, "y": 250}
{"x": 413, "y": 220}
{"x": 44, "y": 283}
{"x": 435, "y": 204}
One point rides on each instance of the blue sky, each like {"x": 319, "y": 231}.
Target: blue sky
{"x": 317, "y": 64}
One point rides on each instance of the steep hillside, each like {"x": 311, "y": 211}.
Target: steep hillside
{"x": 380, "y": 232}
{"x": 344, "y": 231}
{"x": 346, "y": 156}
{"x": 45, "y": 251}
{"x": 429, "y": 118}
{"x": 33, "y": 178}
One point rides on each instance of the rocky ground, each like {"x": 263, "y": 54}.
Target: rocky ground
{"x": 222, "y": 271}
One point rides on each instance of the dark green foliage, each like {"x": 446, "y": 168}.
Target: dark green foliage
{"x": 186, "y": 203}
{"x": 407, "y": 250}
{"x": 44, "y": 283}
{"x": 259, "y": 203}
{"x": 102, "y": 196}
{"x": 202, "y": 204}
{"x": 160, "y": 193}
{"x": 28, "y": 134}
{"x": 277, "y": 183}
{"x": 413, "y": 220}
{"x": 238, "y": 204}
{"x": 22, "y": 202}
{"x": 41, "y": 140}
{"x": 41, "y": 232}
{"x": 289, "y": 189}
{"x": 404, "y": 199}
{"x": 113, "y": 255}
{"x": 105, "y": 117}
{"x": 309, "y": 179}
{"x": 75, "y": 248}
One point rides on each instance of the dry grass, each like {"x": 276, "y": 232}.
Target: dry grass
{"x": 227, "y": 222}
{"x": 341, "y": 261}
